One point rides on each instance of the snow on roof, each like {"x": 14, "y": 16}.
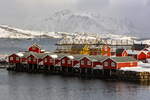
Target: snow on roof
{"x": 98, "y": 67}
{"x": 54, "y": 56}
{"x": 20, "y": 54}
{"x": 148, "y": 48}
{"x": 71, "y": 57}
{"x": 134, "y": 52}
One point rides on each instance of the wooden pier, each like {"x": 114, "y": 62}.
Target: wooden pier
{"x": 105, "y": 74}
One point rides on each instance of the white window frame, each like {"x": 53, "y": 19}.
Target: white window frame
{"x": 113, "y": 64}
{"x": 11, "y": 58}
{"x": 51, "y": 60}
{"x": 69, "y": 61}
{"x": 46, "y": 60}
{"x": 88, "y": 62}
{"x": 34, "y": 60}
{"x": 17, "y": 58}
{"x": 63, "y": 61}
{"x": 30, "y": 58}
{"x": 82, "y": 62}
{"x": 105, "y": 63}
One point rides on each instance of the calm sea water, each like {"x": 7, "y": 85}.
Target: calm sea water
{"x": 8, "y": 46}
{"x": 25, "y": 86}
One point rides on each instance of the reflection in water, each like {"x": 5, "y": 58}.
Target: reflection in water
{"x": 24, "y": 86}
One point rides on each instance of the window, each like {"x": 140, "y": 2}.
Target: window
{"x": 17, "y": 58}
{"x": 46, "y": 60}
{"x": 105, "y": 63}
{"x": 113, "y": 64}
{"x": 51, "y": 60}
{"x": 63, "y": 61}
{"x": 88, "y": 63}
{"x": 33, "y": 48}
{"x": 82, "y": 62}
{"x": 69, "y": 61}
{"x": 34, "y": 60}
{"x": 30, "y": 59}
{"x": 11, "y": 58}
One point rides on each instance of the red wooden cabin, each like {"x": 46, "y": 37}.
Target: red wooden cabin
{"x": 119, "y": 62}
{"x": 14, "y": 58}
{"x": 86, "y": 62}
{"x": 67, "y": 61}
{"x": 121, "y": 52}
{"x": 32, "y": 59}
{"x": 35, "y": 48}
{"x": 139, "y": 55}
{"x": 99, "y": 60}
{"x": 49, "y": 59}
{"x": 106, "y": 50}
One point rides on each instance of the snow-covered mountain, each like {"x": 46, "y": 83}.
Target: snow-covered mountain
{"x": 69, "y": 21}
{"x": 11, "y": 32}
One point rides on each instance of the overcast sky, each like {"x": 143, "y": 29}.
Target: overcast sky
{"x": 15, "y": 12}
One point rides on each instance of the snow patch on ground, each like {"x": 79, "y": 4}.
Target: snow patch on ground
{"x": 142, "y": 67}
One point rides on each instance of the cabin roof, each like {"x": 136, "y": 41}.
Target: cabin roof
{"x": 135, "y": 52}
{"x": 37, "y": 55}
{"x": 90, "y": 57}
{"x": 123, "y": 59}
{"x": 118, "y": 51}
{"x": 148, "y": 49}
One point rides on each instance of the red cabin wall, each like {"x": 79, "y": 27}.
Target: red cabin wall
{"x": 34, "y": 60}
{"x": 14, "y": 59}
{"x": 119, "y": 65}
{"x": 75, "y": 62}
{"x": 57, "y": 62}
{"x": 50, "y": 61}
{"x": 85, "y": 63}
{"x": 141, "y": 56}
{"x": 96, "y": 63}
{"x": 65, "y": 64}
{"x": 35, "y": 49}
{"x": 127, "y": 64}
{"x": 109, "y": 61}
{"x": 106, "y": 51}
{"x": 148, "y": 55}
{"x": 24, "y": 59}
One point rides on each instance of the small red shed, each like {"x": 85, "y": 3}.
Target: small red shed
{"x": 139, "y": 55}
{"x": 32, "y": 57}
{"x": 35, "y": 48}
{"x": 86, "y": 61}
{"x": 106, "y": 50}
{"x": 15, "y": 58}
{"x": 49, "y": 59}
{"x": 67, "y": 61}
{"x": 119, "y": 62}
{"x": 121, "y": 52}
